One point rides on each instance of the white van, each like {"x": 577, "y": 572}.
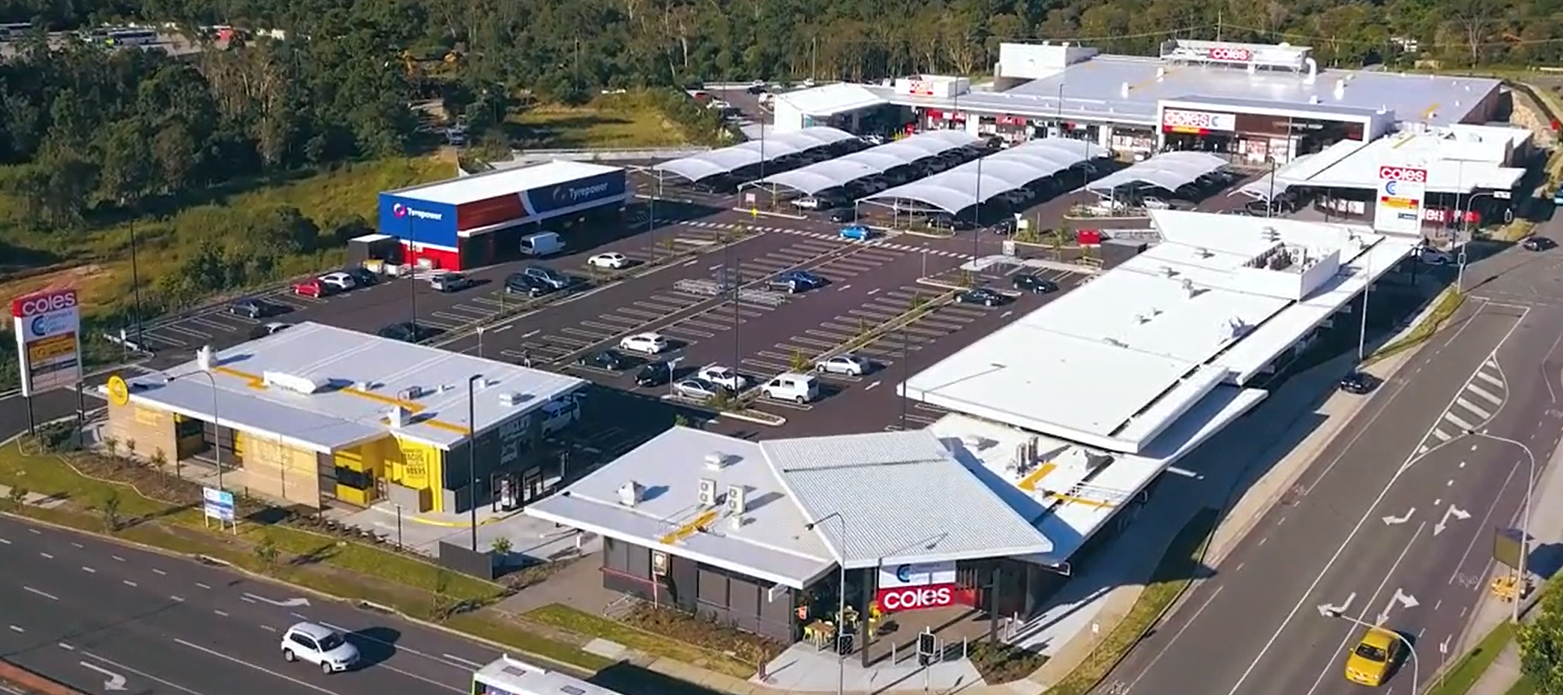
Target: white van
{"x": 559, "y": 414}
{"x": 542, "y": 244}
{"x": 798, "y": 388}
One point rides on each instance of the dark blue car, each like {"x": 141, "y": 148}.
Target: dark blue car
{"x": 795, "y": 281}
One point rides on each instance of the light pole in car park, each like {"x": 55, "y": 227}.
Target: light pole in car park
{"x": 841, "y": 599}
{"x": 412, "y": 285}
{"x": 1416, "y": 665}
{"x": 481, "y": 328}
{"x": 1530, "y": 487}
{"x": 472, "y": 456}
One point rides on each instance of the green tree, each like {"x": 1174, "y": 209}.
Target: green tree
{"x": 501, "y": 546}
{"x": 1541, "y": 645}
{"x": 109, "y": 507}
{"x": 267, "y": 553}
{"x": 17, "y": 496}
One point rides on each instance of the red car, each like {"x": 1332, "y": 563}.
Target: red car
{"x": 312, "y": 287}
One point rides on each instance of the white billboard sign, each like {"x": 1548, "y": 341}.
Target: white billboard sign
{"x": 1185, "y": 121}
{"x": 48, "y": 339}
{"x": 916, "y": 574}
{"x": 1400, "y": 193}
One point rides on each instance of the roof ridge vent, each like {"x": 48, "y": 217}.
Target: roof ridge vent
{"x": 630, "y": 493}
{"x": 1169, "y": 271}
{"x": 1203, "y": 252}
{"x": 1188, "y": 288}
{"x": 716, "y": 461}
{"x": 303, "y": 385}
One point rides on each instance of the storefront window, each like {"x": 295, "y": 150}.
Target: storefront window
{"x": 358, "y": 480}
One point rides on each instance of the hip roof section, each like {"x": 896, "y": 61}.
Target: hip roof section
{"x": 492, "y": 184}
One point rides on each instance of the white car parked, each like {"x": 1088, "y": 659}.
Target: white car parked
{"x": 644, "y": 343}
{"x": 340, "y": 282}
{"x": 848, "y": 364}
{"x": 726, "y": 377}
{"x": 319, "y": 645}
{"x": 611, "y": 261}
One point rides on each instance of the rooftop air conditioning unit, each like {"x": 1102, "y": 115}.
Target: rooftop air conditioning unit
{"x": 511, "y": 399}
{"x": 411, "y": 393}
{"x": 716, "y": 461}
{"x": 707, "y": 494}
{"x": 737, "y": 500}
{"x": 292, "y": 382}
{"x": 205, "y": 359}
{"x": 630, "y": 493}
{"x": 397, "y": 417}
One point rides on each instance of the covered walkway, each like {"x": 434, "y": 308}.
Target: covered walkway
{"x": 825, "y": 175}
{"x": 768, "y": 149}
{"x": 979, "y": 181}
{"x": 1169, "y": 171}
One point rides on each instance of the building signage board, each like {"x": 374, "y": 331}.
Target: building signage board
{"x": 217, "y": 504}
{"x": 1289, "y": 57}
{"x": 920, "y": 88}
{"x": 916, "y": 574}
{"x": 1197, "y": 122}
{"x": 1400, "y": 193}
{"x": 48, "y": 340}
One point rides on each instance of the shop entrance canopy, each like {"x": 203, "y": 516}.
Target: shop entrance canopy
{"x": 1169, "y": 171}
{"x": 767, "y": 149}
{"x": 875, "y": 160}
{"x": 994, "y": 175}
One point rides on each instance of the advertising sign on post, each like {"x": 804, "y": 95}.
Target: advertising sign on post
{"x": 48, "y": 340}
{"x": 1399, "y": 206}
{"x": 217, "y": 504}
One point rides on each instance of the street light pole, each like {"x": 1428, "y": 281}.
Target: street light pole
{"x": 217, "y": 440}
{"x": 472, "y": 456}
{"x": 976, "y": 218}
{"x": 1362, "y": 334}
{"x": 841, "y": 600}
{"x": 480, "y": 340}
{"x": 1416, "y": 665}
{"x": 412, "y": 285}
{"x": 1530, "y": 488}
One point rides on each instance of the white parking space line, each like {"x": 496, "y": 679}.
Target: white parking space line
{"x": 642, "y": 313}
{"x": 837, "y": 336}
{"x": 603, "y": 327}
{"x": 449, "y": 317}
{"x": 766, "y": 366}
{"x": 169, "y": 341}
{"x": 816, "y": 343}
{"x": 680, "y": 330}
{"x": 570, "y": 342}
{"x": 594, "y": 337}
{"x": 186, "y": 331}
{"x": 708, "y": 324}
{"x": 615, "y": 318}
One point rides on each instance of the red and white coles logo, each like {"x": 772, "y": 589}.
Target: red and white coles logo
{"x": 1229, "y": 53}
{"x": 43, "y": 303}
{"x": 913, "y": 598}
{"x": 1406, "y": 174}
{"x": 1179, "y": 120}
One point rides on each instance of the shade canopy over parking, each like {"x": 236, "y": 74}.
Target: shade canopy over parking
{"x": 875, "y": 160}
{"x": 1169, "y": 171}
{"x": 994, "y": 175}
{"x": 1264, "y": 188}
{"x": 769, "y": 148}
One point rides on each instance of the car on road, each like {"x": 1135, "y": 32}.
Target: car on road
{"x": 697, "y": 389}
{"x": 521, "y": 283}
{"x": 338, "y": 282}
{"x": 266, "y": 329}
{"x": 982, "y": 295}
{"x": 1358, "y": 383}
{"x": 319, "y": 645}
{"x": 408, "y": 332}
{"x": 451, "y": 282}
{"x": 855, "y": 232}
{"x": 795, "y": 281}
{"x": 654, "y": 374}
{"x": 362, "y": 276}
{"x": 548, "y": 276}
{"x": 798, "y": 388}
{"x": 611, "y": 360}
{"x": 1432, "y": 256}
{"x": 1539, "y": 243}
{"x": 1035, "y": 284}
{"x": 611, "y": 260}
{"x": 756, "y": 87}
{"x": 645, "y": 343}
{"x": 253, "y": 308}
{"x": 1370, "y": 662}
{"x": 725, "y": 377}
{"x": 843, "y": 215}
{"x": 847, "y": 364}
{"x": 312, "y": 287}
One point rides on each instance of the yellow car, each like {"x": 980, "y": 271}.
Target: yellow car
{"x": 1371, "y": 660}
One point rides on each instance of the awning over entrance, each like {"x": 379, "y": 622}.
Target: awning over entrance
{"x": 1169, "y": 171}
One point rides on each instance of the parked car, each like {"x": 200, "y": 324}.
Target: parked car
{"x": 266, "y": 329}
{"x": 1539, "y": 243}
{"x": 725, "y": 377}
{"x": 252, "y": 308}
{"x": 408, "y": 332}
{"x": 843, "y": 215}
{"x": 611, "y": 360}
{"x": 339, "y": 281}
{"x": 521, "y": 283}
{"x": 319, "y": 645}
{"x": 806, "y": 203}
{"x": 548, "y": 276}
{"x": 362, "y": 276}
{"x": 982, "y": 295}
{"x": 1035, "y": 284}
{"x": 847, "y": 364}
{"x": 1358, "y": 383}
{"x": 645, "y": 343}
{"x": 856, "y": 232}
{"x": 312, "y": 287}
{"x": 798, "y": 388}
{"x": 611, "y": 260}
{"x": 697, "y": 389}
{"x": 654, "y": 374}
{"x": 795, "y": 281}
{"x": 451, "y": 282}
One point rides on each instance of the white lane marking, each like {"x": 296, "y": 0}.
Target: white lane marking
{"x": 1459, "y": 422}
{"x": 203, "y": 586}
{"x": 4, "y": 542}
{"x": 1493, "y": 506}
{"x": 77, "y": 545}
{"x": 871, "y": 386}
{"x": 430, "y": 681}
{"x": 221, "y": 613}
{"x": 246, "y": 599}
{"x": 463, "y": 662}
{"x": 31, "y": 590}
{"x": 47, "y": 556}
{"x": 531, "y": 333}
{"x": 17, "y": 629}
{"x": 177, "y": 599}
{"x": 1485, "y": 394}
{"x": 262, "y": 669}
{"x": 35, "y": 532}
{"x": 268, "y": 628}
{"x": 142, "y": 674}
{"x": 1192, "y": 619}
{"x": 128, "y": 582}
{"x": 1482, "y": 414}
{"x": 1367, "y": 606}
{"x": 118, "y": 558}
{"x": 1495, "y": 381}
{"x": 159, "y": 572}
{"x": 88, "y": 570}
{"x": 1007, "y": 314}
{"x": 66, "y": 647}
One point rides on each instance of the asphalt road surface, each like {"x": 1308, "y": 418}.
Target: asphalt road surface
{"x": 1392, "y": 525}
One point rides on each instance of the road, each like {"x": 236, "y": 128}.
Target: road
{"x": 1392, "y": 524}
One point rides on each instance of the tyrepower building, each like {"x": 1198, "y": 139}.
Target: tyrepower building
{"x": 479, "y": 220}
{"x": 1252, "y": 102}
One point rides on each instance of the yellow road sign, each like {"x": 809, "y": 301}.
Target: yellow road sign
{"x": 119, "y": 391}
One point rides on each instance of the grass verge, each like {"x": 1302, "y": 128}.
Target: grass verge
{"x": 1003, "y": 663}
{"x": 1522, "y": 687}
{"x": 616, "y": 120}
{"x": 1177, "y": 569}
{"x": 1465, "y": 672}
{"x": 563, "y": 617}
{"x": 1444, "y": 307}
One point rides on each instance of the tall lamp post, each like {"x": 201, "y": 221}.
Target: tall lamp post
{"x": 1362, "y": 333}
{"x": 1416, "y": 665}
{"x": 1465, "y": 234}
{"x": 472, "y": 456}
{"x": 217, "y": 444}
{"x": 841, "y": 602}
{"x": 1530, "y": 488}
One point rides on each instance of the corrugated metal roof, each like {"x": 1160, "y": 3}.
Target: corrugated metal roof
{"x": 899, "y": 497}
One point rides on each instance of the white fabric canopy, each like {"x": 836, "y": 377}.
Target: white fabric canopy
{"x": 773, "y": 146}
{"x": 1169, "y": 171}
{"x": 994, "y": 175}
{"x": 1261, "y": 188}
{"x": 875, "y": 160}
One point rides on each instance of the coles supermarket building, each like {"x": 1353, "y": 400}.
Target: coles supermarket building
{"x": 479, "y": 220}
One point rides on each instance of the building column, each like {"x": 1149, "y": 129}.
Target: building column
{"x": 870, "y": 587}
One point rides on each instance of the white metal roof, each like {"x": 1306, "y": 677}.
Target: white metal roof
{"x": 1266, "y": 186}
{"x": 1117, "y": 361}
{"x": 493, "y": 184}
{"x": 520, "y": 678}
{"x": 901, "y": 497}
{"x": 362, "y": 378}
{"x": 774, "y": 145}
{"x": 1169, "y": 171}
{"x": 1459, "y": 160}
{"x": 981, "y": 180}
{"x": 771, "y": 543}
{"x": 874, "y": 160}
{"x": 830, "y": 99}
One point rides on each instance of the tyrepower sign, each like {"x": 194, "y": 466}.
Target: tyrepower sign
{"x": 48, "y": 339}
{"x": 1196, "y": 122}
{"x": 1399, "y": 205}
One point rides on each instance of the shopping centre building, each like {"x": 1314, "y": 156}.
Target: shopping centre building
{"x": 316, "y": 413}
{"x": 1041, "y": 458}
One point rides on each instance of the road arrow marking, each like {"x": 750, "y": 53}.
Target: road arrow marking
{"x": 286, "y": 603}
{"x": 1452, "y": 512}
{"x": 114, "y": 682}
{"x": 1328, "y": 610}
{"x": 1402, "y": 598}
{"x": 1392, "y": 520}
